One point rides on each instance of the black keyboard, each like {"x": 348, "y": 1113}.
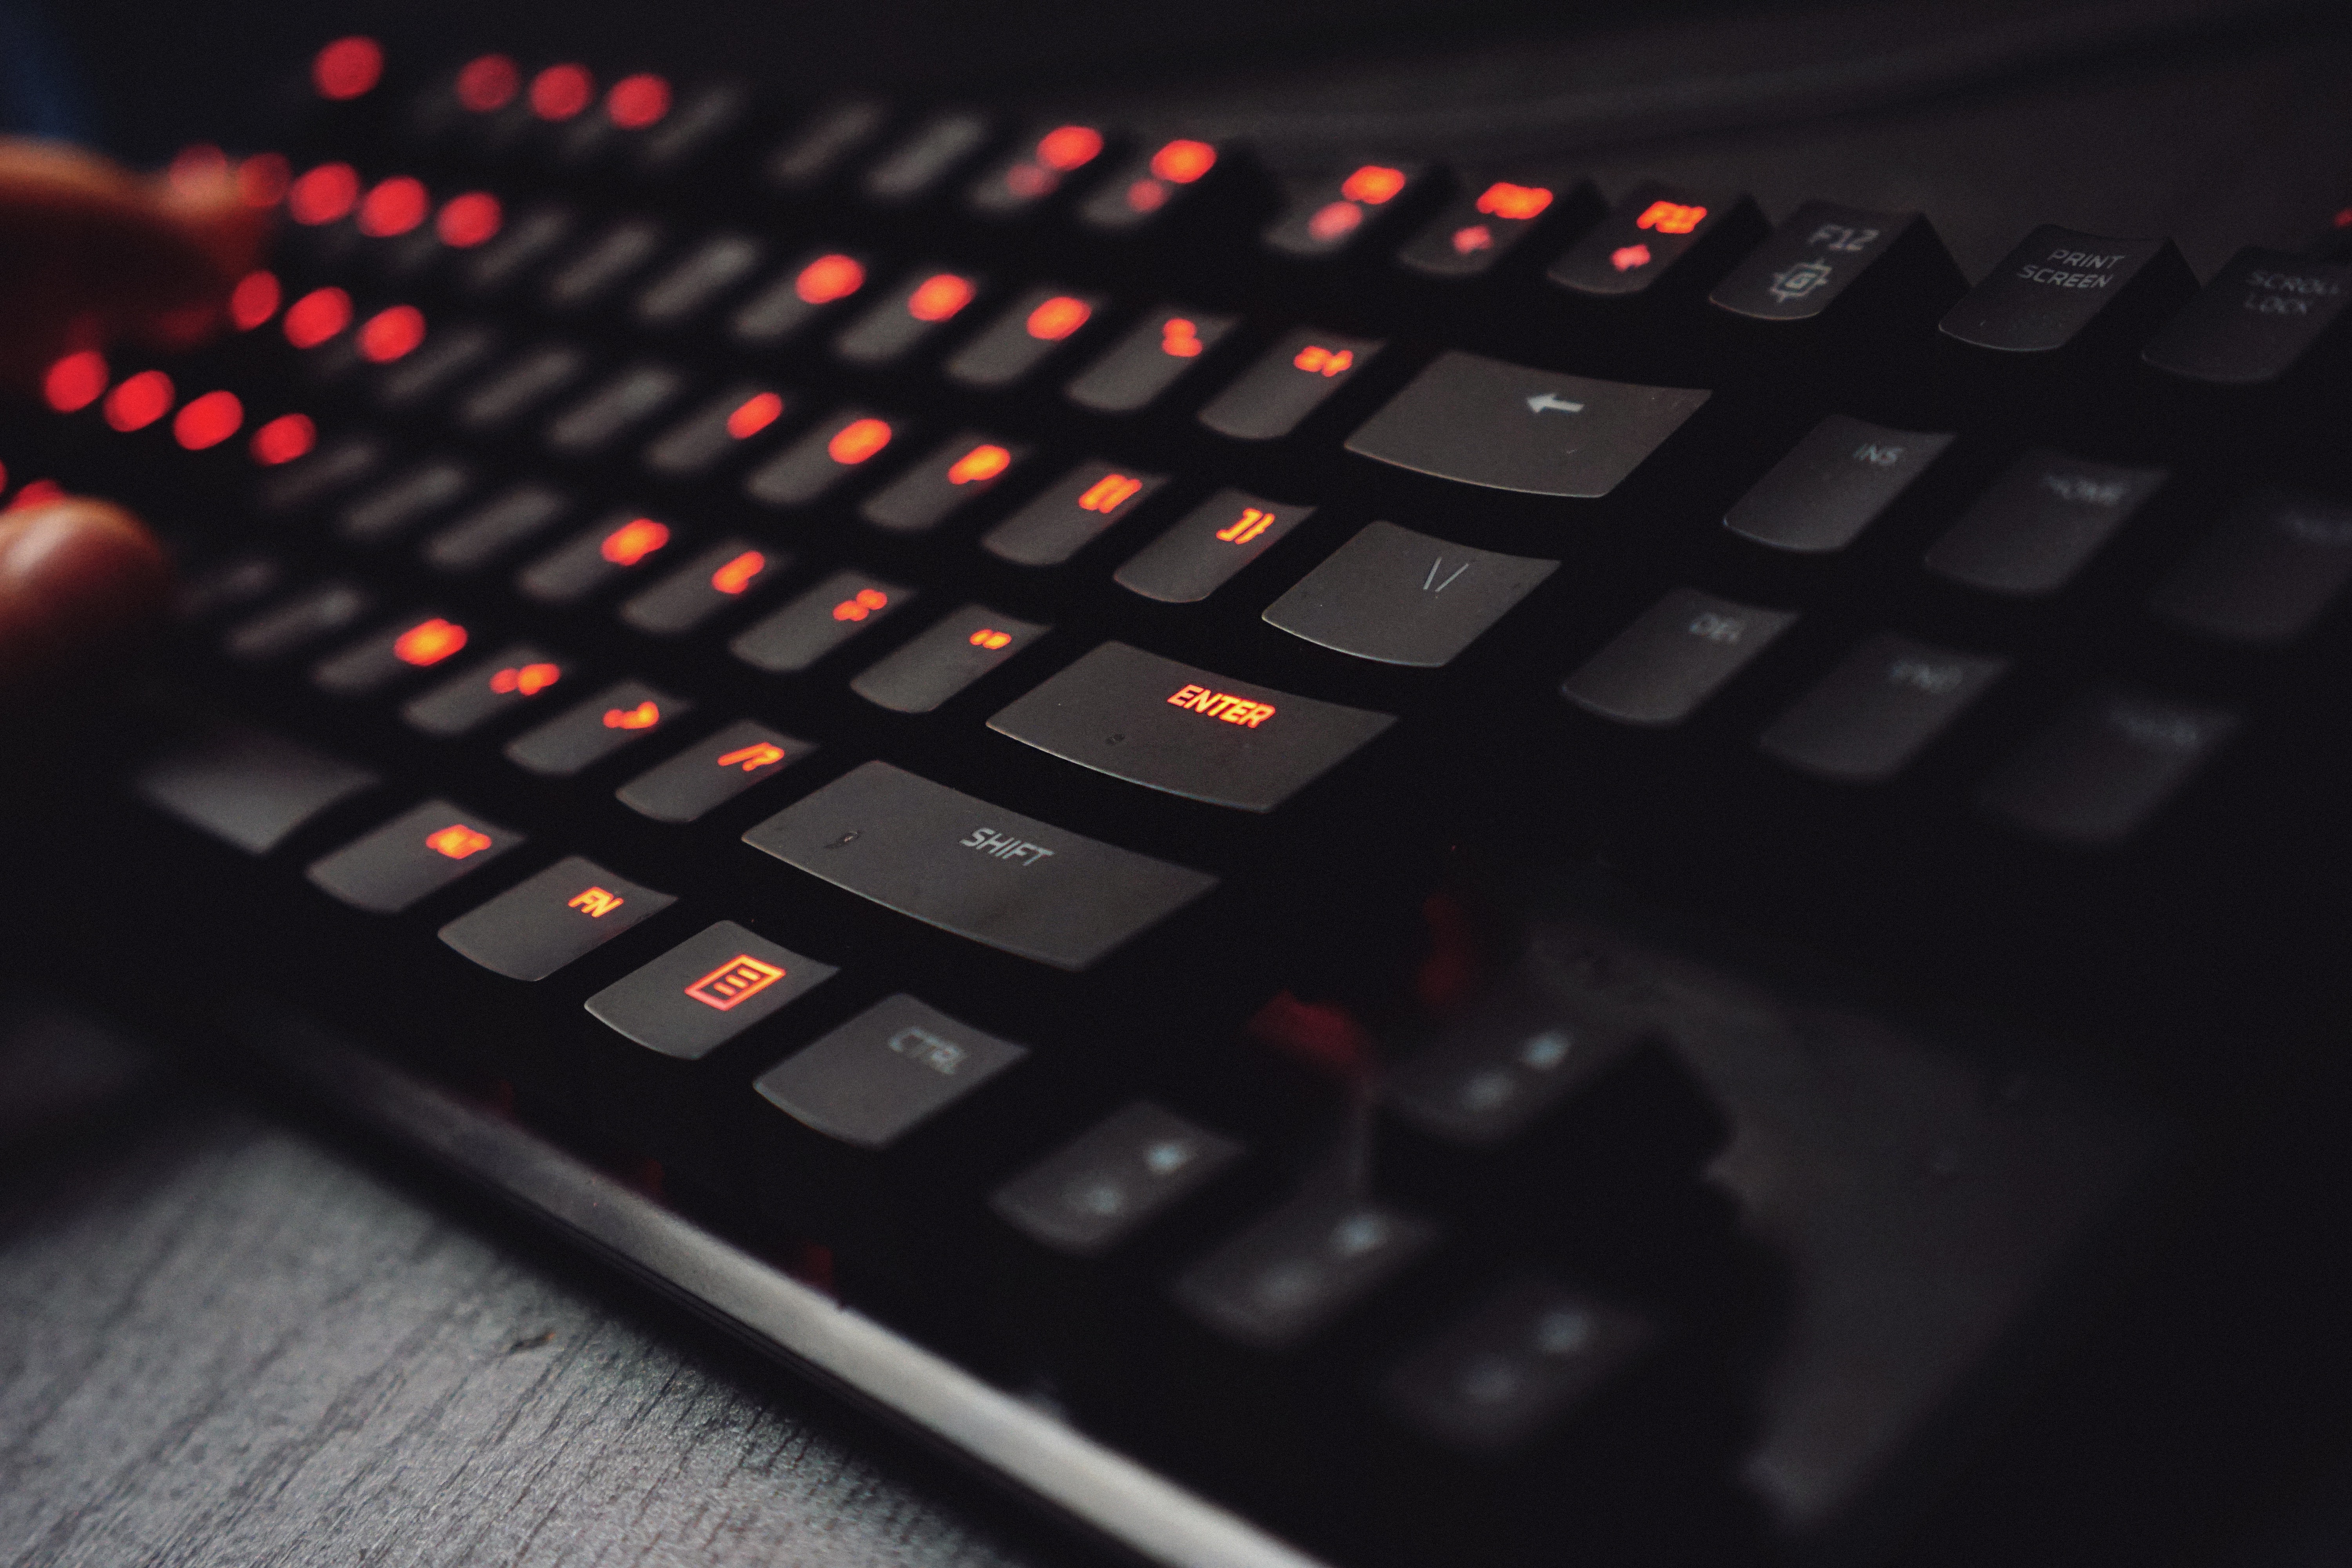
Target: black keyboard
{"x": 1403, "y": 865}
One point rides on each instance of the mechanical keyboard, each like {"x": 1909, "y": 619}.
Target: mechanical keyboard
{"x": 1399, "y": 865}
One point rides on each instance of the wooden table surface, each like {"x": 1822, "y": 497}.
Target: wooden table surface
{"x": 226, "y": 1338}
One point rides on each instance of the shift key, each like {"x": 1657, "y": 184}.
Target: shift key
{"x": 965, "y": 866}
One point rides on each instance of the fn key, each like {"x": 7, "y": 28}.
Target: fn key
{"x": 534, "y": 929}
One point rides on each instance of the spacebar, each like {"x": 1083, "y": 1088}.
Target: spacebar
{"x": 976, "y": 870}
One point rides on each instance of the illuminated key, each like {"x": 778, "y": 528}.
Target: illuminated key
{"x": 347, "y": 68}
{"x": 706, "y": 991}
{"x": 1206, "y": 547}
{"x": 564, "y": 913}
{"x": 615, "y": 547}
{"x": 636, "y": 102}
{"x": 899, "y": 321}
{"x": 1035, "y": 172}
{"x": 488, "y": 83}
{"x": 76, "y": 381}
{"x": 1154, "y": 353}
{"x": 727, "y": 574}
{"x": 818, "y": 622}
{"x": 559, "y": 92}
{"x": 377, "y": 660}
{"x": 945, "y": 659}
{"x": 416, "y": 854}
{"x": 1488, "y": 221}
{"x": 394, "y": 207}
{"x": 581, "y": 736}
{"x": 323, "y": 194}
{"x": 205, "y": 421}
{"x": 468, "y": 220}
{"x": 1291, "y": 380}
{"x": 707, "y": 775}
{"x": 513, "y": 679}
{"x": 1152, "y": 182}
{"x": 317, "y": 316}
{"x": 1065, "y": 519}
{"x": 1032, "y": 327}
{"x": 809, "y": 286}
{"x": 1642, "y": 238}
{"x": 958, "y": 471}
{"x": 1324, "y": 217}
{"x": 138, "y": 401}
{"x": 820, "y": 459}
{"x": 731, "y": 422}
{"x": 251, "y": 303}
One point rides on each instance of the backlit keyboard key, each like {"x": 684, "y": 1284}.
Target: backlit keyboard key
{"x": 309, "y": 616}
{"x": 724, "y": 575}
{"x": 505, "y": 683}
{"x": 706, "y": 991}
{"x": 1211, "y": 543}
{"x": 1810, "y": 261}
{"x": 1523, "y": 1362}
{"x": 1065, "y": 518}
{"x": 965, "y": 866}
{"x": 1879, "y": 708}
{"x": 1659, "y": 669}
{"x": 1113, "y": 1180}
{"x": 511, "y": 517}
{"x": 542, "y": 923}
{"x": 614, "y": 548}
{"x": 415, "y": 643}
{"x": 2267, "y": 575}
{"x": 895, "y": 324}
{"x": 2255, "y": 321}
{"x": 945, "y": 659}
{"x": 2050, "y": 289}
{"x": 1509, "y": 427}
{"x": 1190, "y": 732}
{"x": 1641, "y": 239}
{"x": 619, "y": 716}
{"x": 697, "y": 280}
{"x": 708, "y": 775}
{"x": 818, "y": 280}
{"x": 1036, "y": 325}
{"x": 1155, "y": 180}
{"x": 962, "y": 469}
{"x": 1326, "y": 217}
{"x": 1486, "y": 223}
{"x": 1402, "y": 597}
{"x": 2105, "y": 765}
{"x": 1834, "y": 484}
{"x": 924, "y": 157}
{"x": 1286, "y": 1278}
{"x": 1157, "y": 350}
{"x": 886, "y": 1072}
{"x": 1036, "y": 171}
{"x": 837, "y": 447}
{"x": 416, "y": 854}
{"x": 818, "y": 622}
{"x": 612, "y": 409}
{"x": 405, "y": 500}
{"x": 1291, "y": 380}
{"x": 727, "y": 423}
{"x": 2041, "y": 520}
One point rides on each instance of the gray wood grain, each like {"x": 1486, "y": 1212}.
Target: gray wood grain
{"x": 222, "y": 1341}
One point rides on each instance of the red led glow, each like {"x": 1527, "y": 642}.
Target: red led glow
{"x": 197, "y": 168}
{"x": 1057, "y": 318}
{"x": 283, "y": 439}
{"x": 206, "y": 422}
{"x": 1147, "y": 196}
{"x": 860, "y": 605}
{"x": 528, "y": 681}
{"x": 858, "y": 440}
{"x": 467, "y": 221}
{"x": 1626, "y": 258}
{"x": 1181, "y": 162}
{"x": 1316, "y": 359}
{"x": 1372, "y": 185}
{"x": 392, "y": 333}
{"x": 558, "y": 92}
{"x": 1180, "y": 338}
{"x": 1335, "y": 221}
{"x": 427, "y": 643}
{"x": 394, "y": 206}
{"x": 488, "y": 83}
{"x": 978, "y": 466}
{"x": 1471, "y": 238}
{"x": 138, "y": 401}
{"x": 1670, "y": 218}
{"x": 1068, "y": 147}
{"x": 1252, "y": 521}
{"x": 348, "y": 67}
{"x": 1518, "y": 203}
{"x": 637, "y": 101}
{"x": 457, "y": 841}
{"x": 1232, "y": 709}
{"x": 753, "y": 414}
{"x": 36, "y": 492}
{"x": 643, "y": 716}
{"x": 262, "y": 180}
{"x": 741, "y": 977}
{"x": 989, "y": 637}
{"x": 317, "y": 316}
{"x": 1030, "y": 181}
{"x": 938, "y": 297}
{"x": 633, "y": 541}
{"x": 740, "y": 574}
{"x": 323, "y": 194}
{"x": 829, "y": 277}
{"x": 752, "y": 758}
{"x": 76, "y": 382}
{"x": 1109, "y": 493}
{"x": 594, "y": 902}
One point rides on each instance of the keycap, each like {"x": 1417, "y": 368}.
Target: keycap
{"x": 525, "y": 381}
{"x": 724, "y": 575}
{"x": 1066, "y": 518}
{"x": 1156, "y": 180}
{"x": 818, "y": 148}
{"x": 402, "y": 503}
{"x": 450, "y": 354}
{"x": 1810, "y": 261}
{"x": 945, "y": 659}
{"x": 1489, "y": 1083}
{"x": 999, "y": 878}
{"x": 1486, "y": 223}
{"x": 706, "y": 437}
{"x": 831, "y": 451}
{"x": 1202, "y": 550}
{"x": 1113, "y": 1180}
{"x": 2106, "y": 764}
{"x": 337, "y": 465}
{"x": 621, "y": 715}
{"x": 2041, "y": 519}
{"x": 1034, "y": 326}
{"x": 1187, "y": 731}
{"x": 895, "y": 325}
{"x": 1658, "y": 671}
{"x": 1834, "y": 484}
{"x": 1287, "y": 384}
{"x": 1034, "y": 170}
{"x": 1521, "y": 1361}
{"x": 1504, "y": 427}
{"x": 708, "y": 775}
{"x": 532, "y": 237}
{"x": 1878, "y": 709}
{"x": 505, "y": 683}
{"x": 602, "y": 263}
{"x": 1154, "y": 354}
{"x": 706, "y": 991}
{"x": 1325, "y": 216}
{"x": 2265, "y": 574}
{"x": 513, "y": 517}
{"x": 694, "y": 130}
{"x": 2256, "y": 319}
{"x": 608, "y": 411}
{"x": 623, "y": 542}
{"x": 924, "y": 157}
{"x": 958, "y": 469}
{"x": 1402, "y": 597}
{"x": 543, "y": 922}
{"x": 245, "y": 785}
{"x": 1301, "y": 1268}
{"x": 694, "y": 282}
{"x": 416, "y": 854}
{"x": 309, "y": 616}
{"x": 241, "y": 580}
{"x": 886, "y": 1072}
{"x": 375, "y": 661}
{"x": 2047, "y": 290}
{"x": 1641, "y": 239}
{"x": 817, "y": 622}
{"x": 818, "y": 280}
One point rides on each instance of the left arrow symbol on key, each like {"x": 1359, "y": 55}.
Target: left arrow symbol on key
{"x": 1544, "y": 400}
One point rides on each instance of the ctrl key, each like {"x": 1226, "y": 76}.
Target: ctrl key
{"x": 417, "y": 853}
{"x": 886, "y": 1072}
{"x": 538, "y": 926}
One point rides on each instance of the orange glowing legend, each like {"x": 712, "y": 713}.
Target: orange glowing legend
{"x": 1252, "y": 521}
{"x": 594, "y": 902}
{"x": 938, "y": 297}
{"x": 829, "y": 277}
{"x": 456, "y": 841}
{"x": 858, "y": 440}
{"x": 1181, "y": 162}
{"x": 752, "y": 758}
{"x": 1248, "y": 712}
{"x": 428, "y": 642}
{"x": 643, "y": 716}
{"x": 990, "y": 638}
{"x": 860, "y": 605}
{"x": 1110, "y": 492}
{"x": 753, "y": 414}
{"x": 1316, "y": 359}
{"x": 1372, "y": 185}
{"x": 1670, "y": 218}
{"x": 1057, "y": 318}
{"x": 740, "y": 574}
{"x": 525, "y": 681}
{"x": 633, "y": 541}
{"x": 735, "y": 982}
{"x": 1180, "y": 338}
{"x": 980, "y": 465}
{"x": 1518, "y": 203}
